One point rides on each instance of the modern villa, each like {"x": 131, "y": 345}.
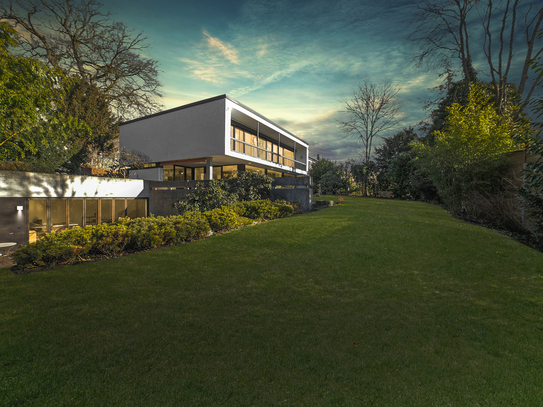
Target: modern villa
{"x": 211, "y": 139}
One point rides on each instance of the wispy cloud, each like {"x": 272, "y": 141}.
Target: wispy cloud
{"x": 227, "y": 50}
{"x": 274, "y": 77}
{"x": 202, "y": 70}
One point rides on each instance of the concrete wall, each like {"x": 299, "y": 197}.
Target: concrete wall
{"x": 36, "y": 185}
{"x": 192, "y": 132}
{"x": 150, "y": 174}
{"x": 292, "y": 189}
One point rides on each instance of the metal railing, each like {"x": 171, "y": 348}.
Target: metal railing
{"x": 299, "y": 165}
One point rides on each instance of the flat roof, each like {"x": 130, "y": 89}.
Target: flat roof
{"x": 201, "y": 102}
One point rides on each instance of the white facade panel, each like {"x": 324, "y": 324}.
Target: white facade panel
{"x": 191, "y": 132}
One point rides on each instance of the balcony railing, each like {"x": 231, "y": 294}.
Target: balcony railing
{"x": 255, "y": 151}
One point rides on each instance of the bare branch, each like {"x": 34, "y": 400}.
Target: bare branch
{"x": 371, "y": 111}
{"x": 82, "y": 40}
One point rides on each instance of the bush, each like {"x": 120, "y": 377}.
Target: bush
{"x": 224, "y": 218}
{"x": 264, "y": 209}
{"x": 214, "y": 194}
{"x": 533, "y": 203}
{"x": 246, "y": 186}
{"x": 74, "y": 245}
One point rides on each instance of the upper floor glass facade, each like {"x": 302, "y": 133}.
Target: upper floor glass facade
{"x": 245, "y": 141}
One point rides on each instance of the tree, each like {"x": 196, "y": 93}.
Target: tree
{"x": 88, "y": 104}
{"x": 469, "y": 154}
{"x": 392, "y": 146}
{"x": 371, "y": 111}
{"x": 31, "y": 98}
{"x": 329, "y": 177}
{"x": 447, "y": 34}
{"x": 80, "y": 39}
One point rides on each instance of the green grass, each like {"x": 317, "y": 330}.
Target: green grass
{"x": 372, "y": 302}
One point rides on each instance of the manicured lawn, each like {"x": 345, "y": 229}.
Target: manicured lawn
{"x": 373, "y": 302}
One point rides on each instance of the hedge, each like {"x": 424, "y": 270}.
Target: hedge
{"x": 129, "y": 235}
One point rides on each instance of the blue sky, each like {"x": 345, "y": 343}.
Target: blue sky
{"x": 293, "y": 61}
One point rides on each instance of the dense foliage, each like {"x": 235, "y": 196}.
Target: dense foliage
{"x": 469, "y": 153}
{"x": 329, "y": 177}
{"x": 245, "y": 186}
{"x": 34, "y": 127}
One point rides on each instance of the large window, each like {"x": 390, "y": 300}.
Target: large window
{"x": 229, "y": 171}
{"x": 91, "y": 212}
{"x": 106, "y": 210}
{"x": 37, "y": 219}
{"x": 56, "y": 214}
{"x": 136, "y": 208}
{"x": 75, "y": 213}
{"x": 247, "y": 142}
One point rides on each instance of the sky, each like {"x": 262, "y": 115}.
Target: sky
{"x": 293, "y": 61}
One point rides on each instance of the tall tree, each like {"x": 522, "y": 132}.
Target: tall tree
{"x": 77, "y": 37}
{"x": 31, "y": 100}
{"x": 371, "y": 111}
{"x": 448, "y": 34}
{"x": 86, "y": 103}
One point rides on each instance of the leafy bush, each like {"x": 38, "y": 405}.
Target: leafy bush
{"x": 215, "y": 194}
{"x": 246, "y": 186}
{"x": 533, "y": 202}
{"x": 224, "y": 218}
{"x": 264, "y": 209}
{"x": 250, "y": 186}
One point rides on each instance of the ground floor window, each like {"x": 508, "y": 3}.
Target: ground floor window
{"x": 180, "y": 173}
{"x": 56, "y": 214}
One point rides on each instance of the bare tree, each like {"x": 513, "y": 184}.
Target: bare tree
{"x": 371, "y": 111}
{"x": 81, "y": 40}
{"x": 448, "y": 31}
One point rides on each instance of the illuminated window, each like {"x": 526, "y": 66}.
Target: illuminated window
{"x": 91, "y": 212}
{"x": 136, "y": 208}
{"x": 229, "y": 171}
{"x": 250, "y": 168}
{"x": 216, "y": 172}
{"x": 199, "y": 174}
{"x": 179, "y": 173}
{"x": 120, "y": 208}
{"x": 75, "y": 213}
{"x": 167, "y": 174}
{"x": 37, "y": 219}
{"x": 106, "y": 209}
{"x": 274, "y": 174}
{"x": 58, "y": 215}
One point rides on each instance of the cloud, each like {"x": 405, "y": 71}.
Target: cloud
{"x": 263, "y": 50}
{"x": 227, "y": 50}
{"x": 202, "y": 70}
{"x": 274, "y": 77}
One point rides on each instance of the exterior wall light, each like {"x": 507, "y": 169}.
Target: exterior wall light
{"x": 19, "y": 208}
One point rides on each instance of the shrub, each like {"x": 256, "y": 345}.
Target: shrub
{"x": 73, "y": 245}
{"x": 214, "y": 194}
{"x": 224, "y": 218}
{"x": 264, "y": 209}
{"x": 250, "y": 186}
{"x": 246, "y": 186}
{"x": 533, "y": 202}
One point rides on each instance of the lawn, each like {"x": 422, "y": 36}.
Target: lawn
{"x": 372, "y": 302}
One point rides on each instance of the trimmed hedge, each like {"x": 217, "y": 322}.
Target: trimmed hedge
{"x": 128, "y": 235}
{"x": 74, "y": 245}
